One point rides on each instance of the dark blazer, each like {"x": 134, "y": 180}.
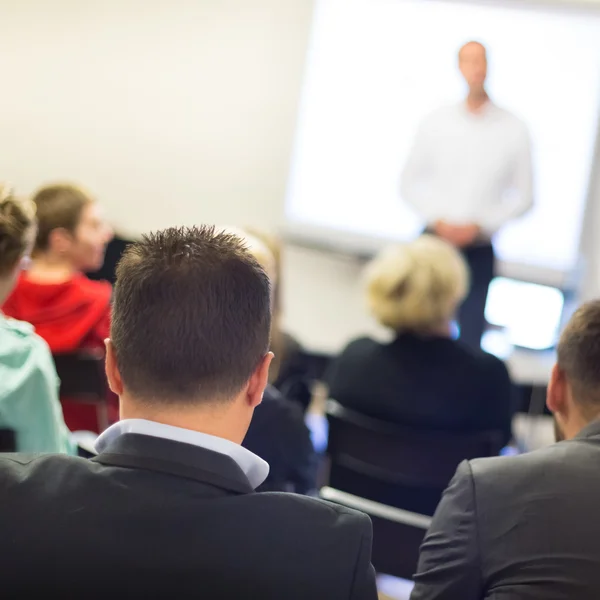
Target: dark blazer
{"x": 522, "y": 527}
{"x": 429, "y": 382}
{"x": 153, "y": 518}
{"x": 279, "y": 435}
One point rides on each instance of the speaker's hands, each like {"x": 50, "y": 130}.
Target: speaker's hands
{"x": 457, "y": 235}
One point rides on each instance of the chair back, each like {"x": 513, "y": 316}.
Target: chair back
{"x": 8, "y": 440}
{"x": 398, "y": 466}
{"x": 82, "y": 379}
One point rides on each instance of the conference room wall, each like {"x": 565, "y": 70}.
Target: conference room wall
{"x": 250, "y": 76}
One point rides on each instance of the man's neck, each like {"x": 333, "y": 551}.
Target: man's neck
{"x": 577, "y": 425}
{"x": 476, "y": 100}
{"x": 50, "y": 269}
{"x": 218, "y": 422}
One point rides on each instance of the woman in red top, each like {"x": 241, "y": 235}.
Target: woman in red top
{"x": 67, "y": 309}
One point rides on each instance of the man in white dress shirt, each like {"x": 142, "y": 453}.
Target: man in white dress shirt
{"x": 469, "y": 173}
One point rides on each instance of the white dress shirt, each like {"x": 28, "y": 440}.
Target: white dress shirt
{"x": 254, "y": 467}
{"x": 469, "y": 167}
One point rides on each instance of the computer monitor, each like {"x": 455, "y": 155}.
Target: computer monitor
{"x": 523, "y": 314}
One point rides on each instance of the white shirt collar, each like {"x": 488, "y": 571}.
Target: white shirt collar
{"x": 254, "y": 467}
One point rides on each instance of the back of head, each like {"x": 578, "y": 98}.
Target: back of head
{"x": 17, "y": 224}
{"x": 417, "y": 286}
{"x": 578, "y": 356}
{"x": 191, "y": 316}
{"x": 58, "y": 206}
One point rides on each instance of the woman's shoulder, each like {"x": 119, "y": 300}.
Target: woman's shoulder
{"x": 480, "y": 359}
{"x": 21, "y": 347}
{"x": 102, "y": 290}
{"x": 361, "y": 347}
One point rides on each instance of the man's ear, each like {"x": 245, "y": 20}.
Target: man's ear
{"x": 556, "y": 396}
{"x": 112, "y": 370}
{"x": 258, "y": 381}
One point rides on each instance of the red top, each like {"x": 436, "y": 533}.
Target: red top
{"x": 70, "y": 316}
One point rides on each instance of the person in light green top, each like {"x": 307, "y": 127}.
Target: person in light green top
{"x": 29, "y": 403}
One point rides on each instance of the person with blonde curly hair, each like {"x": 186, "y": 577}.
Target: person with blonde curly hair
{"x": 423, "y": 377}
{"x": 29, "y": 404}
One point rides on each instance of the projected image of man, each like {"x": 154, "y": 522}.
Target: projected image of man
{"x": 469, "y": 172}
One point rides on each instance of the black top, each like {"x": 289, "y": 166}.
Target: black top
{"x": 279, "y": 435}
{"x": 154, "y": 518}
{"x": 430, "y": 382}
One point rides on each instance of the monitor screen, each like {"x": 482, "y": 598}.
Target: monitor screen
{"x": 523, "y": 314}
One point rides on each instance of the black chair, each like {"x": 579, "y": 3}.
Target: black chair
{"x": 82, "y": 379}
{"x": 8, "y": 441}
{"x": 397, "y": 475}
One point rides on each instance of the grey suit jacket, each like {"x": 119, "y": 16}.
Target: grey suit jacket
{"x": 524, "y": 527}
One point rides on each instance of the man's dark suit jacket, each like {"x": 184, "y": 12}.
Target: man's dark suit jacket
{"x": 522, "y": 528}
{"x": 153, "y": 518}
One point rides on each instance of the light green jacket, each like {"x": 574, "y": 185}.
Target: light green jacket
{"x": 29, "y": 403}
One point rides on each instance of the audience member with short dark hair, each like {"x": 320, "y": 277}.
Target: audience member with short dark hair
{"x": 423, "y": 377}
{"x": 29, "y": 405}
{"x": 167, "y": 507}
{"x": 67, "y": 309}
{"x": 526, "y": 527}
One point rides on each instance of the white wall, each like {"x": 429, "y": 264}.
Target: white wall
{"x": 174, "y": 111}
{"x": 171, "y": 111}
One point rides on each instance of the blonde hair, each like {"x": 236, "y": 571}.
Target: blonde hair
{"x": 416, "y": 286}
{"x": 274, "y": 244}
{"x": 259, "y": 251}
{"x": 266, "y": 249}
{"x": 17, "y": 220}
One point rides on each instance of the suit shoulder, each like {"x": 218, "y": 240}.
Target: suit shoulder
{"x": 14, "y": 467}
{"x": 496, "y": 472}
{"x": 318, "y": 513}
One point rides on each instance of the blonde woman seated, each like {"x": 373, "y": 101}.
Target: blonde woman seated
{"x": 423, "y": 377}
{"x": 29, "y": 404}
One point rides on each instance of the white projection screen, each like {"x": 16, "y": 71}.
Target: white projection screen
{"x": 375, "y": 68}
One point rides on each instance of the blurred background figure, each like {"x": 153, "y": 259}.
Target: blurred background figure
{"x": 71, "y": 312}
{"x": 469, "y": 173}
{"x": 422, "y": 377}
{"x": 289, "y": 372}
{"x": 277, "y": 432}
{"x": 29, "y": 405}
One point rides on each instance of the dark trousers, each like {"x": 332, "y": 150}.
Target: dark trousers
{"x": 471, "y": 315}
